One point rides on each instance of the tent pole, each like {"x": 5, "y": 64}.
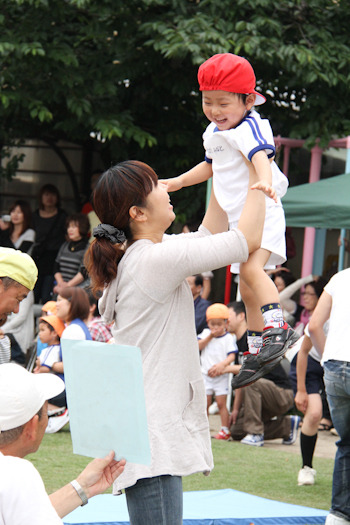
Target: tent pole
{"x": 343, "y": 230}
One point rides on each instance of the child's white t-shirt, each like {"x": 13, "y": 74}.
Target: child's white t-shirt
{"x": 225, "y": 149}
{"x": 50, "y": 355}
{"x": 216, "y": 350}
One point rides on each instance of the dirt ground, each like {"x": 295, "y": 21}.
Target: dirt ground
{"x": 325, "y": 446}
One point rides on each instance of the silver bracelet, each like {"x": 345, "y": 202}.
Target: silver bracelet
{"x": 80, "y": 492}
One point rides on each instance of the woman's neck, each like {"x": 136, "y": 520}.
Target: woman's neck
{"x": 16, "y": 232}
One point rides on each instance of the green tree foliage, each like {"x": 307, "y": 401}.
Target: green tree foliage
{"x": 123, "y": 75}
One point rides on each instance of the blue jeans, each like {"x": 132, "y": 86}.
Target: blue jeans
{"x": 337, "y": 381}
{"x": 155, "y": 501}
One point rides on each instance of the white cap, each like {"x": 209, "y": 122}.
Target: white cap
{"x": 22, "y": 394}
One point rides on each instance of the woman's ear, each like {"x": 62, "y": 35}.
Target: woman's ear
{"x": 137, "y": 214}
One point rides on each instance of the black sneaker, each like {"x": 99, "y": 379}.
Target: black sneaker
{"x": 276, "y": 342}
{"x": 252, "y": 370}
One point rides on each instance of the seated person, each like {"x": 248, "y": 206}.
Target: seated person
{"x": 50, "y": 331}
{"x": 69, "y": 264}
{"x": 217, "y": 349}
{"x": 99, "y": 330}
{"x": 200, "y": 305}
{"x": 259, "y": 409}
{"x": 17, "y": 333}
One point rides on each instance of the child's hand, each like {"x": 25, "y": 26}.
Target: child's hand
{"x": 173, "y": 184}
{"x": 265, "y": 188}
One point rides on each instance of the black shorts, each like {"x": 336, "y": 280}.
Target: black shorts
{"x": 314, "y": 376}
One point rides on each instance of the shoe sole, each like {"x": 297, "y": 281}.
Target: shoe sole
{"x": 263, "y": 370}
{"x": 293, "y": 339}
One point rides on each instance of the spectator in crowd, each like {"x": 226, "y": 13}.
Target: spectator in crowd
{"x": 99, "y": 330}
{"x": 334, "y": 305}
{"x": 69, "y": 266}
{"x": 217, "y": 350}
{"x": 72, "y": 307}
{"x": 18, "y": 331}
{"x": 259, "y": 409}
{"x": 237, "y": 326}
{"x": 19, "y": 234}
{"x": 311, "y": 295}
{"x": 23, "y": 419}
{"x": 50, "y": 331}
{"x": 49, "y": 308}
{"x": 306, "y": 374}
{"x": 18, "y": 275}
{"x": 287, "y": 287}
{"x": 200, "y": 304}
{"x": 49, "y": 223}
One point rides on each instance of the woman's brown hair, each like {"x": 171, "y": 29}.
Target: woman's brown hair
{"x": 79, "y": 303}
{"x": 27, "y": 215}
{"x": 119, "y": 188}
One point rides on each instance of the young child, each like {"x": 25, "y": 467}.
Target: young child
{"x": 69, "y": 264}
{"x": 236, "y": 137}
{"x": 50, "y": 331}
{"x": 218, "y": 350}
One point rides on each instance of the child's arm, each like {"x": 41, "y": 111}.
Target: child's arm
{"x": 200, "y": 173}
{"x": 301, "y": 397}
{"x": 220, "y": 368}
{"x": 262, "y": 167}
{"x": 57, "y": 367}
{"x": 202, "y": 343}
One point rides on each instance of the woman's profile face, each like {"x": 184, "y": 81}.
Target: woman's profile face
{"x": 17, "y": 215}
{"x": 310, "y": 298}
{"x": 62, "y": 308}
{"x": 159, "y": 208}
{"x": 279, "y": 283}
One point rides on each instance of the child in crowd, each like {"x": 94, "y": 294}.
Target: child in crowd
{"x": 236, "y": 137}
{"x": 50, "y": 331}
{"x": 217, "y": 349}
{"x": 69, "y": 265}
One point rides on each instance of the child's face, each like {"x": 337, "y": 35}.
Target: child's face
{"x": 217, "y": 326}
{"x": 225, "y": 109}
{"x": 73, "y": 231}
{"x": 46, "y": 335}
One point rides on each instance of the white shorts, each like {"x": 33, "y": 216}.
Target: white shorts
{"x": 273, "y": 239}
{"x": 216, "y": 385}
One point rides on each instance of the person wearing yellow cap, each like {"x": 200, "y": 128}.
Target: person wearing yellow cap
{"x": 217, "y": 347}
{"x": 18, "y": 275}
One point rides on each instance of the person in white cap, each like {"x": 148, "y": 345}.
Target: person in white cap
{"x": 18, "y": 275}
{"x": 23, "y": 419}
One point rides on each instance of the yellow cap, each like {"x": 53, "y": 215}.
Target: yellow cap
{"x": 217, "y": 311}
{"x": 18, "y": 266}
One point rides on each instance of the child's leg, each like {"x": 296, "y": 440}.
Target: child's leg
{"x": 224, "y": 415}
{"x": 264, "y": 316}
{"x": 263, "y": 294}
{"x": 209, "y": 402}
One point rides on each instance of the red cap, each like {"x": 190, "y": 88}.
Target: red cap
{"x": 228, "y": 72}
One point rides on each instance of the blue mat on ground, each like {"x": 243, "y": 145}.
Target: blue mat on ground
{"x": 205, "y": 507}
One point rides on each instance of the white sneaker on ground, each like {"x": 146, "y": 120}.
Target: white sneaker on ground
{"x": 332, "y": 519}
{"x": 306, "y": 476}
{"x": 55, "y": 423}
{"x": 213, "y": 409}
{"x": 257, "y": 440}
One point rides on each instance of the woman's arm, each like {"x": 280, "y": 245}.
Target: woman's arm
{"x": 318, "y": 319}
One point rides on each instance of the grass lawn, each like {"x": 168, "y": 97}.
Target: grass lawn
{"x": 256, "y": 470}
